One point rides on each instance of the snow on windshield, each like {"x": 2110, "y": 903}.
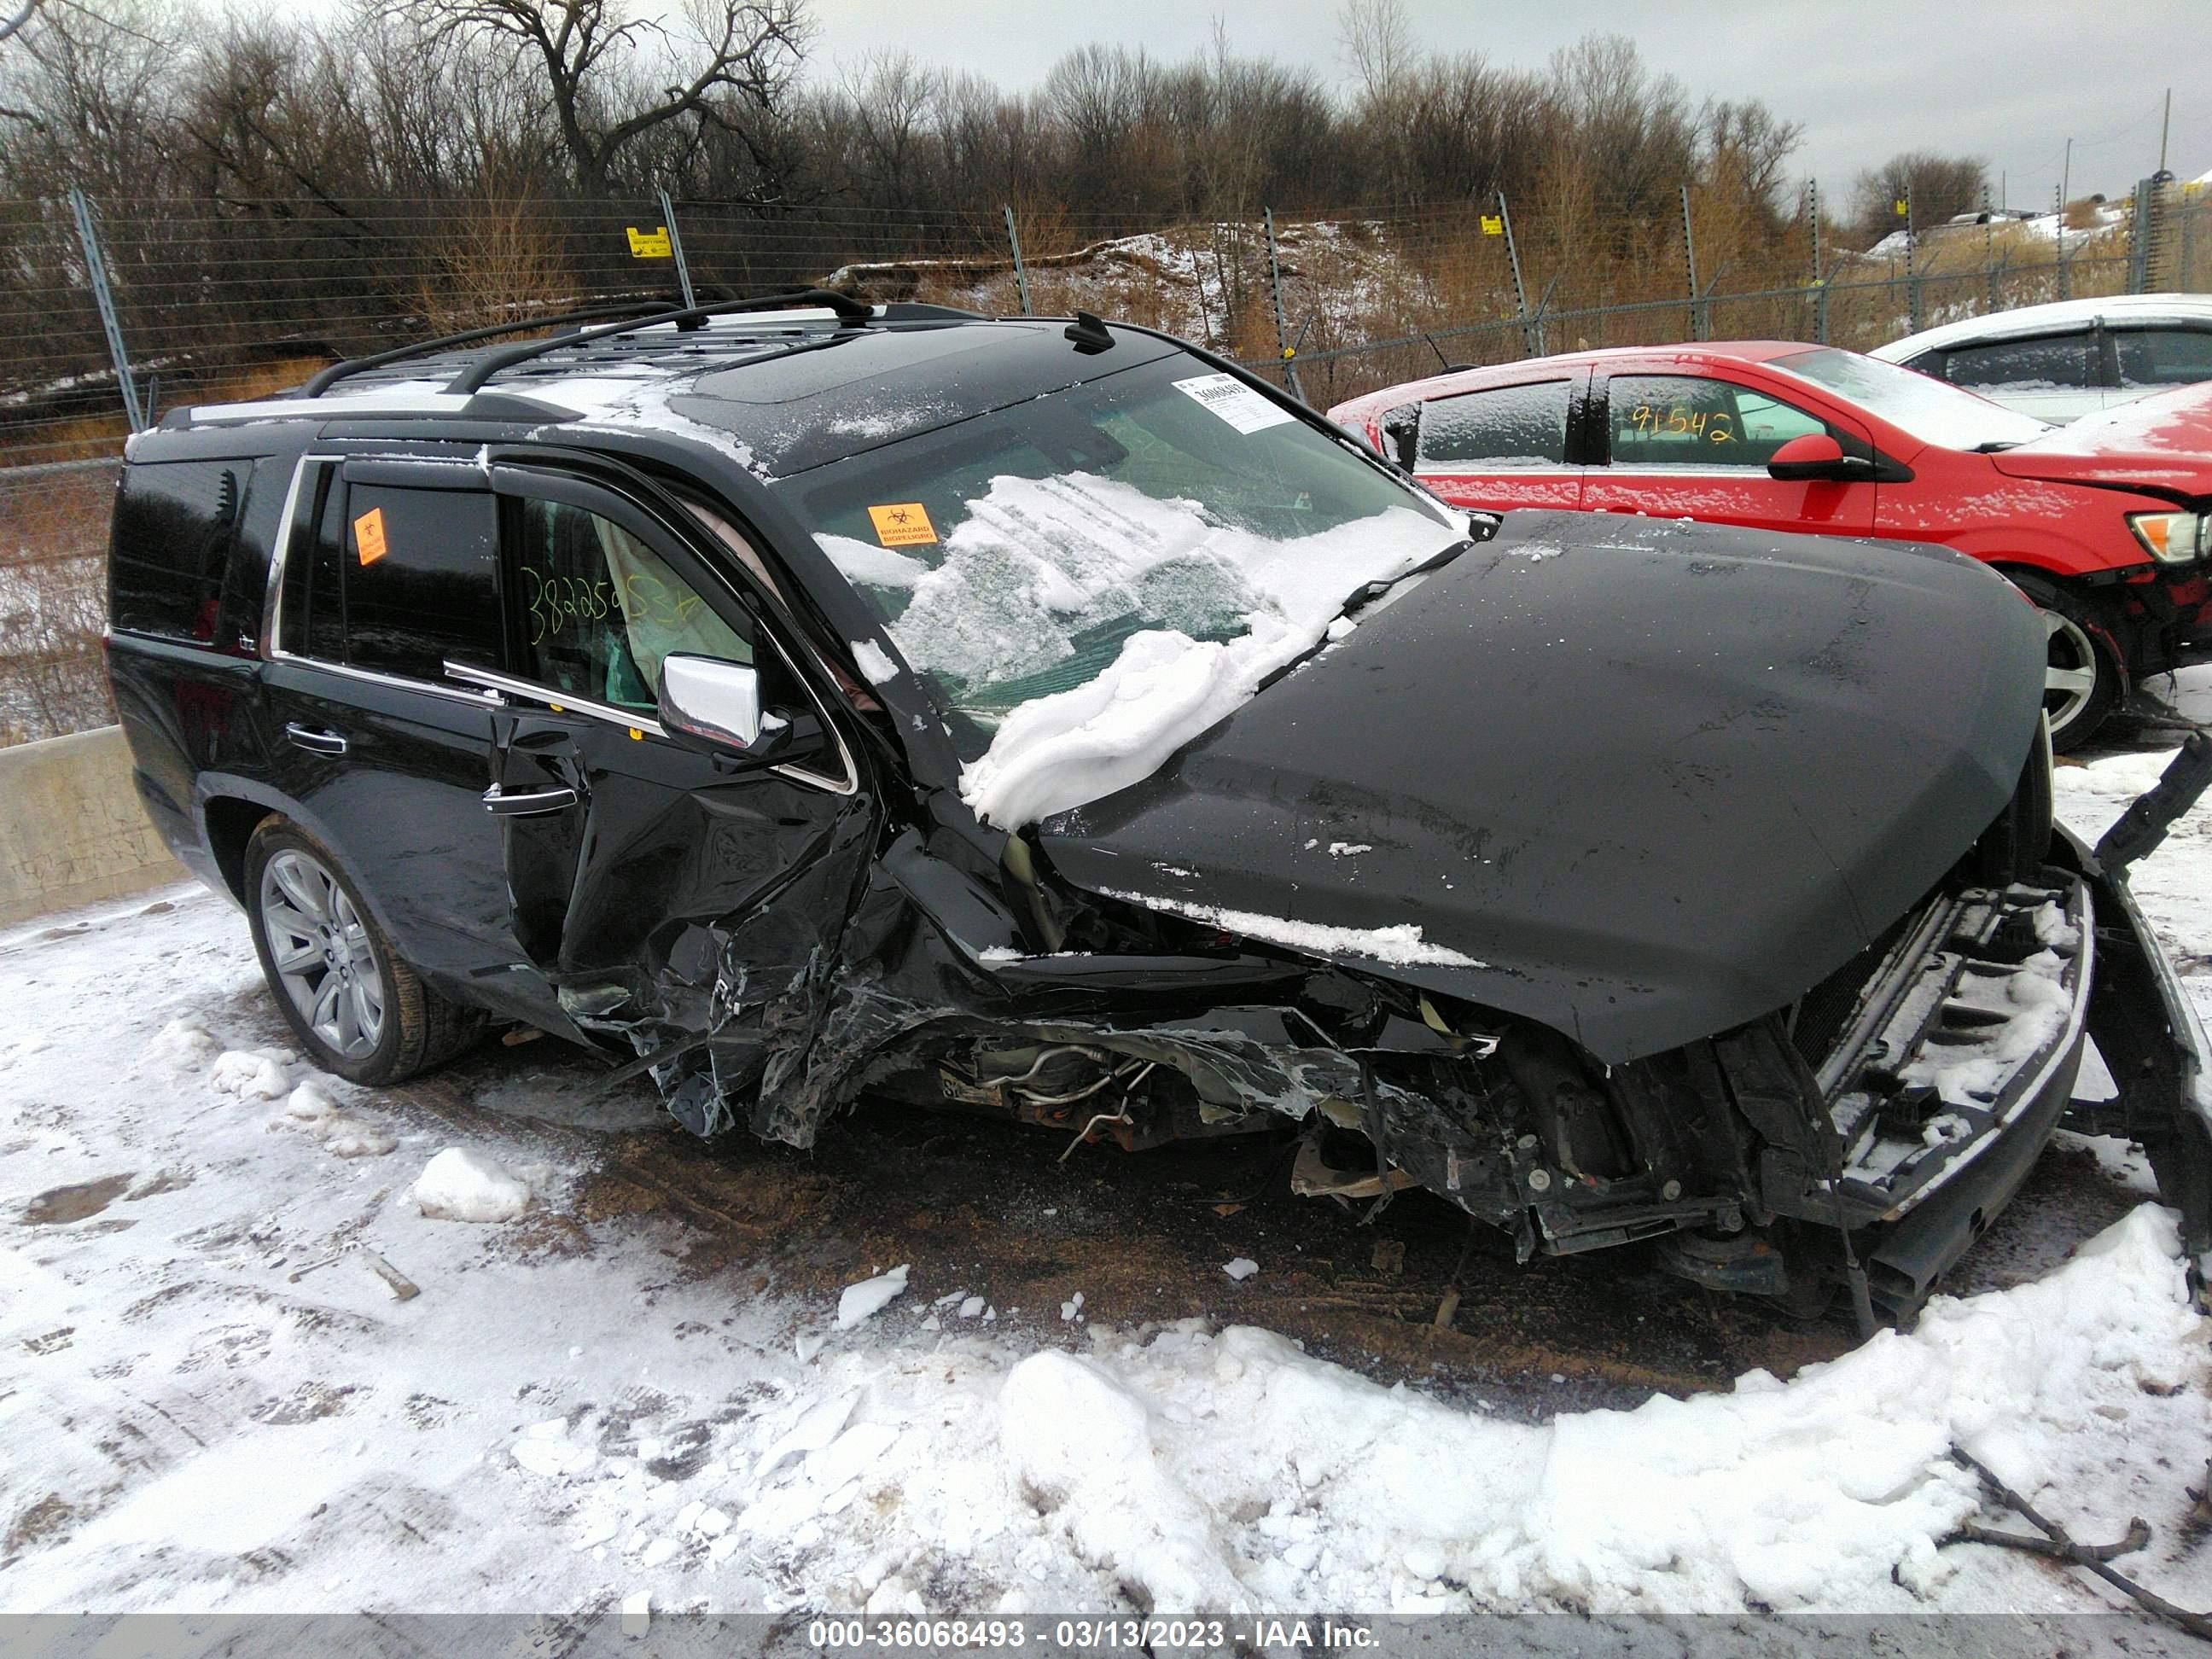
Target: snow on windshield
{"x": 1137, "y": 622}
{"x": 1930, "y": 409}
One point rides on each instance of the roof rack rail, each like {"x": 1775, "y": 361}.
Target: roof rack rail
{"x": 327, "y": 378}
{"x": 848, "y": 310}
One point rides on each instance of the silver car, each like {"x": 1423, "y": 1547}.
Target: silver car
{"x": 2061, "y": 362}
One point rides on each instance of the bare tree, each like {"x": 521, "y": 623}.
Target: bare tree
{"x": 1939, "y": 186}
{"x": 14, "y": 22}
{"x": 93, "y": 96}
{"x": 598, "y": 64}
{"x": 1376, "y": 38}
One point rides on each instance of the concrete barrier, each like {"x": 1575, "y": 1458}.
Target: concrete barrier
{"x": 71, "y": 830}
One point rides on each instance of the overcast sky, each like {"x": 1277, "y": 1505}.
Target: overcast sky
{"x": 2009, "y": 81}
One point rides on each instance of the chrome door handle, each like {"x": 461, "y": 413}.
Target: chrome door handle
{"x": 322, "y": 743}
{"x": 524, "y": 802}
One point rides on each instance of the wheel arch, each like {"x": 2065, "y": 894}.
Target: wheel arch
{"x": 228, "y": 823}
{"x": 231, "y": 808}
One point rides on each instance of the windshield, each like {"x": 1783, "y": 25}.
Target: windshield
{"x": 1089, "y": 580}
{"x": 1931, "y": 410}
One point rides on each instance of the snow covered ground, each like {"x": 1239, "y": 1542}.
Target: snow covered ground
{"x": 254, "y": 1356}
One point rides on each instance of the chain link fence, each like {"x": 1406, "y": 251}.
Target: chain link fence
{"x": 212, "y": 301}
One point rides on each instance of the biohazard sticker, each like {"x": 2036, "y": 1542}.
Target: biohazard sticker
{"x": 1234, "y": 402}
{"x": 903, "y": 524}
{"x": 369, "y": 535}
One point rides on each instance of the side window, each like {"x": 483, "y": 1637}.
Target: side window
{"x": 311, "y": 618}
{"x": 419, "y": 578}
{"x": 2059, "y": 363}
{"x": 1672, "y": 420}
{"x": 175, "y": 524}
{"x": 601, "y": 610}
{"x": 2164, "y": 356}
{"x": 1509, "y": 427}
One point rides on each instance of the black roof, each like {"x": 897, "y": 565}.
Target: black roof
{"x": 796, "y": 391}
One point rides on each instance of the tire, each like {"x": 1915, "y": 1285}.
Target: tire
{"x": 2081, "y": 680}
{"x": 2016, "y": 846}
{"x": 359, "y": 1010}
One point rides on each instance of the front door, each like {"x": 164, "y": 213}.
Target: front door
{"x": 1683, "y": 446}
{"x": 689, "y": 904}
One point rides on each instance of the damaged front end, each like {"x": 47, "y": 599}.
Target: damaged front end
{"x": 1776, "y": 960}
{"x": 1870, "y": 1130}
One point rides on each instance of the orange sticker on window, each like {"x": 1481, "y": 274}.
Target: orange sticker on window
{"x": 369, "y": 535}
{"x": 903, "y": 525}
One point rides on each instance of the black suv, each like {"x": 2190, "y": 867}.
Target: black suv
{"x": 798, "y": 699}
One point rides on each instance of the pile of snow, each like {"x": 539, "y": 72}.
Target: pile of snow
{"x": 459, "y": 1185}
{"x": 870, "y": 1296}
{"x": 310, "y": 1107}
{"x": 181, "y": 1045}
{"x": 185, "y": 1046}
{"x": 1039, "y": 561}
{"x": 252, "y": 1074}
{"x": 1192, "y": 1470}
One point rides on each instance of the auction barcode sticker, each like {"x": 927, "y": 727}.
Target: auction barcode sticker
{"x": 1234, "y": 402}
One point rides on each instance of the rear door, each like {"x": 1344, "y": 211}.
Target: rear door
{"x": 1502, "y": 447}
{"x": 1697, "y": 447}
{"x": 683, "y": 902}
{"x": 389, "y": 572}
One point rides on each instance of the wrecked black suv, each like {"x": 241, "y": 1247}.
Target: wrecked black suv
{"x": 801, "y": 700}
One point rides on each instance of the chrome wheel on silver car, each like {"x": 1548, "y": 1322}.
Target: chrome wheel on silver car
{"x": 321, "y": 955}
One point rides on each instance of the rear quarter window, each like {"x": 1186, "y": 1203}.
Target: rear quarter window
{"x": 175, "y": 530}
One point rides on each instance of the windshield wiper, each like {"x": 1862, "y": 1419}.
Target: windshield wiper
{"x": 1368, "y": 593}
{"x": 1996, "y": 446}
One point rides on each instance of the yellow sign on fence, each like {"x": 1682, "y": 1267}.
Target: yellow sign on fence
{"x": 1493, "y": 224}
{"x": 650, "y": 244}
{"x": 1899, "y": 207}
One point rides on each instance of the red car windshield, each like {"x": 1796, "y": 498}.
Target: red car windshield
{"x": 1931, "y": 410}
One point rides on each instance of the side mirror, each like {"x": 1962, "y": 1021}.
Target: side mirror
{"x": 1817, "y": 458}
{"x": 707, "y": 703}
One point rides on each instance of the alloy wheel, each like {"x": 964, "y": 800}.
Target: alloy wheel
{"x": 2071, "y": 669}
{"x": 320, "y": 950}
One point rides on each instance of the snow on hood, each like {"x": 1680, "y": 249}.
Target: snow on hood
{"x": 1040, "y": 561}
{"x": 2164, "y": 441}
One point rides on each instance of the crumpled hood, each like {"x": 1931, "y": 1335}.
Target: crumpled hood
{"x": 2162, "y": 443}
{"x": 1639, "y": 780}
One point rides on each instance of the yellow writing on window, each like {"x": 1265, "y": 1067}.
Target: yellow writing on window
{"x": 1714, "y": 426}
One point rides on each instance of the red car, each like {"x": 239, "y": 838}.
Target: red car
{"x": 2103, "y": 524}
